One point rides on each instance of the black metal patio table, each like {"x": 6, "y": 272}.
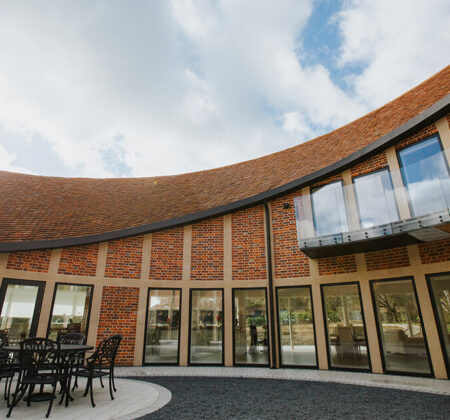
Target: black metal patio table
{"x": 65, "y": 348}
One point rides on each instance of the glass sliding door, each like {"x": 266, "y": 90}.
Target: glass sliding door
{"x": 439, "y": 285}
{"x": 296, "y": 326}
{"x": 251, "y": 337}
{"x": 345, "y": 326}
{"x": 162, "y": 336}
{"x": 20, "y": 302}
{"x": 400, "y": 326}
{"x": 71, "y": 310}
{"x": 206, "y": 329}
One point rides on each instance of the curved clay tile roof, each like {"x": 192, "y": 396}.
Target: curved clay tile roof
{"x": 43, "y": 209}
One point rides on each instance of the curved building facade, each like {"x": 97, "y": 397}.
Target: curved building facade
{"x": 333, "y": 254}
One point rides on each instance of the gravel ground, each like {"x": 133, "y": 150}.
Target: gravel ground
{"x": 244, "y": 398}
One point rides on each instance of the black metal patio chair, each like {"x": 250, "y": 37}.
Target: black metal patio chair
{"x": 74, "y": 338}
{"x": 7, "y": 368}
{"x": 100, "y": 364}
{"x": 40, "y": 363}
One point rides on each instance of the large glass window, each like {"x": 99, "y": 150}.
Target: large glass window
{"x": 346, "y": 331}
{"x": 251, "y": 338}
{"x": 328, "y": 205}
{"x": 425, "y": 174}
{"x": 296, "y": 326}
{"x": 440, "y": 294}
{"x": 71, "y": 308}
{"x": 20, "y": 302}
{"x": 400, "y": 326}
{"x": 206, "y": 326}
{"x": 163, "y": 326}
{"x": 376, "y": 200}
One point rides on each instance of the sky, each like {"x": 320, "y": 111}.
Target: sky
{"x": 146, "y": 88}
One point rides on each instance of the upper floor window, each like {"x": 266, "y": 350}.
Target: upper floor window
{"x": 426, "y": 176}
{"x": 375, "y": 198}
{"x": 329, "y": 210}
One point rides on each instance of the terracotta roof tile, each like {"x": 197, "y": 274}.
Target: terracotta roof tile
{"x": 38, "y": 208}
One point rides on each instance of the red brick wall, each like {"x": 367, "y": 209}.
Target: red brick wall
{"x": 420, "y": 135}
{"x": 248, "y": 244}
{"x": 329, "y": 180}
{"x": 289, "y": 261}
{"x": 337, "y": 265}
{"x": 387, "y": 258}
{"x": 376, "y": 162}
{"x": 80, "y": 260}
{"x": 29, "y": 261}
{"x": 166, "y": 257}
{"x": 124, "y": 258}
{"x": 432, "y": 252}
{"x": 207, "y": 250}
{"x": 118, "y": 315}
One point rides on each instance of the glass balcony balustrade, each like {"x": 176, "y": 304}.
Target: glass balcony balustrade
{"x": 379, "y": 203}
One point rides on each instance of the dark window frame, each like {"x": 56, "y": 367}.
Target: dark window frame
{"x": 378, "y": 326}
{"x": 269, "y": 349}
{"x": 190, "y": 326}
{"x": 398, "y": 151}
{"x": 144, "y": 363}
{"x": 325, "y": 318}
{"x": 436, "y": 318}
{"x": 53, "y": 305}
{"x": 316, "y": 366}
{"x": 39, "y": 298}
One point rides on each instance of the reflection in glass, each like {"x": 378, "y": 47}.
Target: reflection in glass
{"x": 440, "y": 288}
{"x": 18, "y": 310}
{"x": 346, "y": 335}
{"x": 375, "y": 197}
{"x": 250, "y": 327}
{"x": 296, "y": 327}
{"x": 328, "y": 205}
{"x": 426, "y": 176}
{"x": 206, "y": 326}
{"x": 70, "y": 310}
{"x": 400, "y": 326}
{"x": 163, "y": 326}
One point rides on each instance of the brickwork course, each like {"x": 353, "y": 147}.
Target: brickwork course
{"x": 29, "y": 261}
{"x": 375, "y": 163}
{"x": 387, "y": 258}
{"x": 124, "y": 258}
{"x": 420, "y": 135}
{"x": 289, "y": 260}
{"x": 431, "y": 252}
{"x": 118, "y": 315}
{"x": 81, "y": 260}
{"x": 337, "y": 265}
{"x": 249, "y": 244}
{"x": 166, "y": 256}
{"x": 207, "y": 250}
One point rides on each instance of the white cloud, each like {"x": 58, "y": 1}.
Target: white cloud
{"x": 399, "y": 44}
{"x": 7, "y": 162}
{"x": 152, "y": 88}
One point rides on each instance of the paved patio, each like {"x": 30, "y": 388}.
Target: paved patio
{"x": 133, "y": 399}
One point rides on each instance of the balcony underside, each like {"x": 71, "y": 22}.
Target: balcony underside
{"x": 416, "y": 230}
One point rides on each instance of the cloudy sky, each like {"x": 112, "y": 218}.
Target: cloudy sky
{"x": 143, "y": 88}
